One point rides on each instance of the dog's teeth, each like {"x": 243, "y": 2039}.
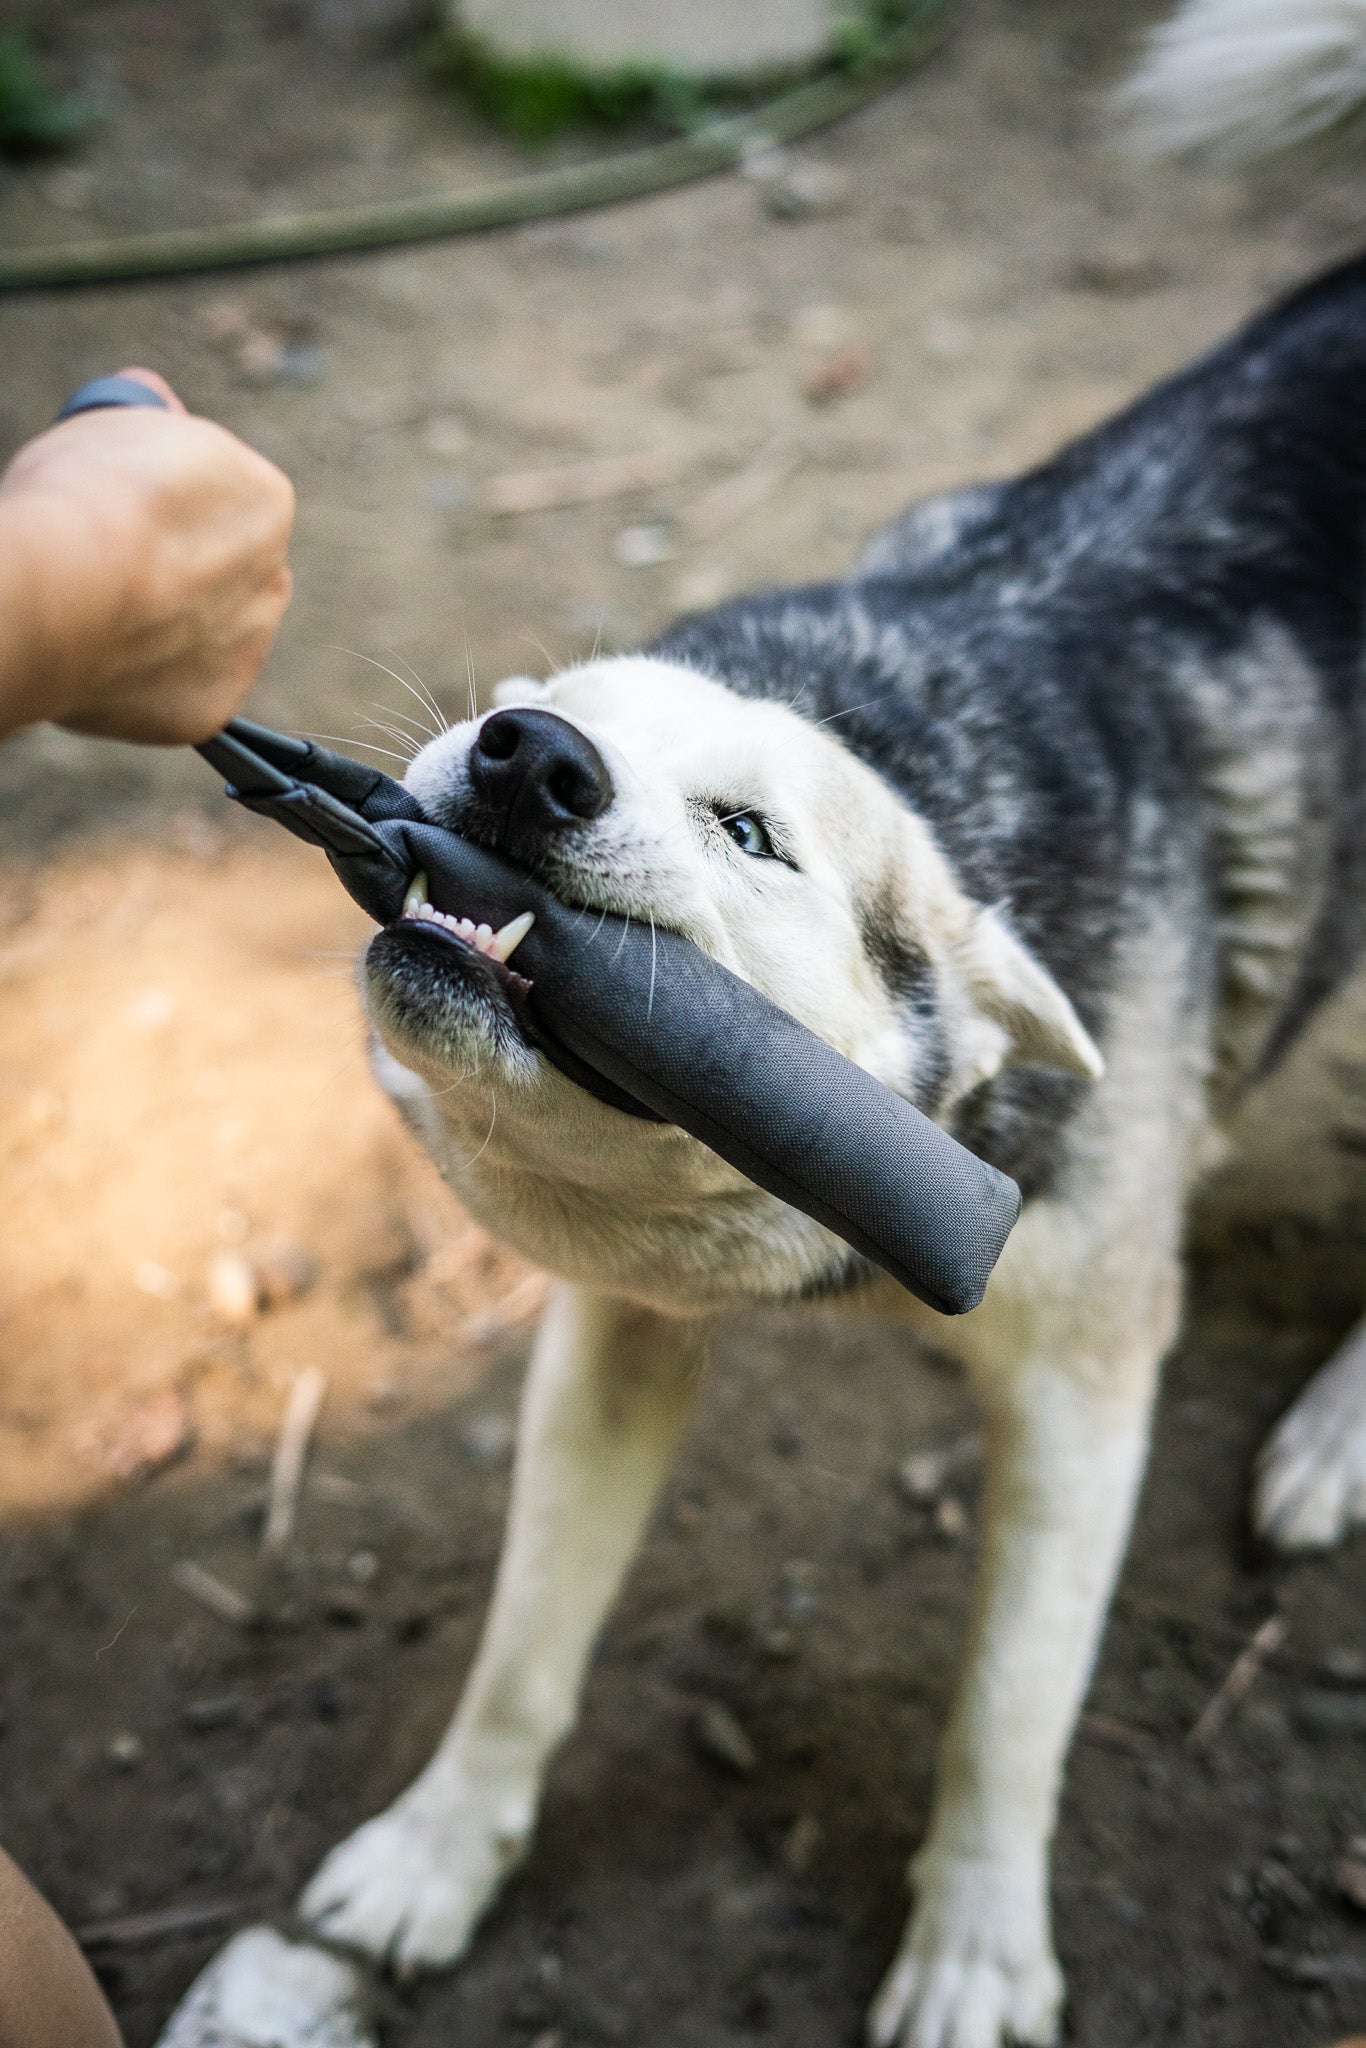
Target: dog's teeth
{"x": 505, "y": 942}
{"x": 415, "y": 902}
{"x": 483, "y": 937}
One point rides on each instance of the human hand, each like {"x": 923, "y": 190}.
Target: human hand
{"x": 143, "y": 573}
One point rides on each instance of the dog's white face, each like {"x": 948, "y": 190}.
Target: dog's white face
{"x": 762, "y": 839}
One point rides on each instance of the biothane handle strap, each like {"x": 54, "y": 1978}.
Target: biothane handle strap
{"x": 656, "y": 1019}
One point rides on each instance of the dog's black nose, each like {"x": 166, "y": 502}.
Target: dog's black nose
{"x": 537, "y": 772}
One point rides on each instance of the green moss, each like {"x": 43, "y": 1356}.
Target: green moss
{"x": 33, "y": 116}
{"x": 534, "y": 99}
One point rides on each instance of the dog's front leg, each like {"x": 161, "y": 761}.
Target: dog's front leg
{"x": 606, "y": 1397}
{"x": 1066, "y": 1442}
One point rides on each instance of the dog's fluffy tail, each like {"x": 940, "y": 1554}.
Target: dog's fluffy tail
{"x": 1235, "y": 79}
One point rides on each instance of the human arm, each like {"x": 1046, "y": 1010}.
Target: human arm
{"x": 48, "y": 1997}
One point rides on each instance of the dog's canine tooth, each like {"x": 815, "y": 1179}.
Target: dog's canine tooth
{"x": 505, "y": 942}
{"x": 417, "y": 895}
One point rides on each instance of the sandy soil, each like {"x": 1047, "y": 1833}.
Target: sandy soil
{"x": 182, "y": 1078}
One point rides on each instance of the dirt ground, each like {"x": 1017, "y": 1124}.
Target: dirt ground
{"x": 184, "y": 1091}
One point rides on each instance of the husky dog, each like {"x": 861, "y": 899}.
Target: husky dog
{"x": 1050, "y": 815}
{"x": 1237, "y": 79}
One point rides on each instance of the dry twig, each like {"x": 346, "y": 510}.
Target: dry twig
{"x": 220, "y": 1599}
{"x": 168, "y": 1923}
{"x": 291, "y": 1449}
{"x": 1241, "y": 1675}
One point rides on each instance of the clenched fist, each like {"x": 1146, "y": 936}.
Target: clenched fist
{"x": 143, "y": 573}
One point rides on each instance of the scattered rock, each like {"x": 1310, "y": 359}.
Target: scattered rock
{"x": 950, "y": 1519}
{"x": 797, "y": 1592}
{"x": 204, "y": 1716}
{"x": 720, "y": 1738}
{"x": 148, "y": 1437}
{"x": 1349, "y": 1876}
{"x": 284, "y": 1272}
{"x": 922, "y": 1477}
{"x": 795, "y": 188}
{"x": 233, "y": 1289}
{"x": 643, "y": 547}
{"x": 800, "y": 1844}
{"x": 263, "y": 348}
{"x": 125, "y": 1750}
{"x": 488, "y": 1439}
{"x": 1117, "y": 272}
{"x": 1322, "y": 1715}
{"x": 150, "y": 1277}
{"x": 840, "y": 375}
{"x": 1344, "y": 1667}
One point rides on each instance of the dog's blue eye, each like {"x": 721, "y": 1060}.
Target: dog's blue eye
{"x": 747, "y": 830}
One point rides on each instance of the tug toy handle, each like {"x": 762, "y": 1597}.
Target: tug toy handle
{"x": 649, "y": 1022}
{"x": 103, "y": 392}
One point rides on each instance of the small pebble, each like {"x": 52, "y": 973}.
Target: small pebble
{"x": 125, "y": 1750}
{"x": 150, "y": 1435}
{"x": 800, "y": 1844}
{"x": 721, "y": 1739}
{"x": 362, "y": 1567}
{"x": 487, "y": 1438}
{"x": 841, "y": 374}
{"x": 1349, "y": 1876}
{"x": 1117, "y": 273}
{"x": 1344, "y": 1667}
{"x": 233, "y": 1288}
{"x": 950, "y": 1519}
{"x": 796, "y": 188}
{"x": 284, "y": 1272}
{"x": 150, "y": 1277}
{"x": 1322, "y": 1715}
{"x": 643, "y": 547}
{"x": 797, "y": 1594}
{"x": 922, "y": 1477}
{"x": 205, "y": 1715}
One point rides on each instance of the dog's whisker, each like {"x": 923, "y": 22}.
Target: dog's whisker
{"x": 353, "y": 740}
{"x": 383, "y": 667}
{"x": 469, "y": 677}
{"x": 400, "y": 738}
{"x": 426, "y": 730}
{"x": 424, "y": 696}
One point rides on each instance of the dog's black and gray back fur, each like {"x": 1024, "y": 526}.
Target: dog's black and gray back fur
{"x": 1126, "y": 686}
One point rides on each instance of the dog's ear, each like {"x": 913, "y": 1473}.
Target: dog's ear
{"x": 1020, "y": 1015}
{"x": 518, "y": 690}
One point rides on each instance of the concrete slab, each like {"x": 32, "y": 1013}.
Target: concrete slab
{"x": 706, "y": 38}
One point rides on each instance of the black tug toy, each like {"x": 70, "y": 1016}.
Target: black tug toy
{"x": 652, "y": 1025}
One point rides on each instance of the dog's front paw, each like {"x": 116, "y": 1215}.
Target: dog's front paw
{"x": 409, "y": 1887}
{"x": 1310, "y": 1490}
{"x": 262, "y": 1991}
{"x": 975, "y": 1968}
